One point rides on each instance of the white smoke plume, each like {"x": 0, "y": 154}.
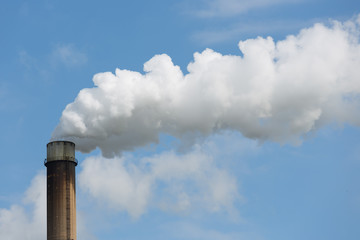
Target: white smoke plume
{"x": 274, "y": 91}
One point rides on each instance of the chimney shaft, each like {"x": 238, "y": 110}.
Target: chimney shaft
{"x": 61, "y": 193}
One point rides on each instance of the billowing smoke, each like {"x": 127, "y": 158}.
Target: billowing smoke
{"x": 273, "y": 91}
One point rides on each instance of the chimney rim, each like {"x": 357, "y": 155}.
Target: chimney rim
{"x": 60, "y": 141}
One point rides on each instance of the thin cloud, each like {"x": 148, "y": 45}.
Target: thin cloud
{"x": 44, "y": 66}
{"x": 237, "y": 31}
{"x": 193, "y": 231}
{"x": 68, "y": 55}
{"x": 228, "y": 8}
{"x": 38, "y": 67}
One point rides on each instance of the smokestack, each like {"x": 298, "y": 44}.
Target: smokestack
{"x": 61, "y": 198}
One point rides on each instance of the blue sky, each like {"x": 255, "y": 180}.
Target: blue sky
{"x": 203, "y": 176}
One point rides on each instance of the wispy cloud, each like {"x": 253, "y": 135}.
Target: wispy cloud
{"x": 68, "y": 55}
{"x": 34, "y": 67}
{"x": 255, "y": 28}
{"x": 26, "y": 60}
{"x": 227, "y": 8}
{"x": 61, "y": 55}
{"x": 192, "y": 231}
{"x": 43, "y": 66}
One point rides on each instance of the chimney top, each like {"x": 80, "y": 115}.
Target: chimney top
{"x": 60, "y": 151}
